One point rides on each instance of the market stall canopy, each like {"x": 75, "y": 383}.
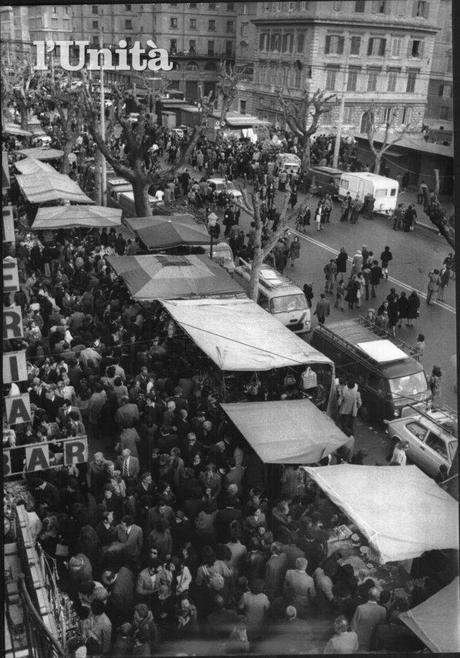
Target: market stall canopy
{"x": 55, "y": 217}
{"x": 43, "y": 154}
{"x": 46, "y": 187}
{"x": 29, "y": 166}
{"x": 168, "y": 231}
{"x": 238, "y": 335}
{"x": 286, "y": 431}
{"x": 400, "y": 510}
{"x": 16, "y": 130}
{"x": 436, "y": 620}
{"x": 173, "y": 277}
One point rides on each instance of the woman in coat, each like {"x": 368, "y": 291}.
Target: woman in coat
{"x": 413, "y": 304}
{"x": 403, "y": 305}
{"x": 341, "y": 261}
{"x": 294, "y": 250}
{"x": 351, "y": 295}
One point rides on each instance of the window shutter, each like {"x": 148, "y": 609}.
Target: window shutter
{"x": 340, "y": 45}
{"x": 426, "y": 9}
{"x": 327, "y": 50}
{"x": 383, "y": 43}
{"x": 421, "y": 48}
{"x": 414, "y": 8}
{"x": 409, "y": 48}
{"x": 441, "y": 90}
{"x": 369, "y": 46}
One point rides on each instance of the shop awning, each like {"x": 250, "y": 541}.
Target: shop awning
{"x": 400, "y": 510}
{"x": 46, "y": 187}
{"x": 240, "y": 336}
{"x": 16, "y": 130}
{"x": 173, "y": 277}
{"x": 42, "y": 153}
{"x": 55, "y": 217}
{"x": 436, "y": 620}
{"x": 286, "y": 431}
{"x": 168, "y": 231}
{"x": 29, "y": 166}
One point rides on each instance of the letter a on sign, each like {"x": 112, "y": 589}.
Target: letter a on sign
{"x": 37, "y": 458}
{"x": 18, "y": 409}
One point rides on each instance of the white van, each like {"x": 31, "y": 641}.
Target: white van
{"x": 279, "y": 296}
{"x": 359, "y": 183}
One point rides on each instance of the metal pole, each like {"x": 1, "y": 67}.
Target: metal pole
{"x": 102, "y": 115}
{"x": 335, "y": 161}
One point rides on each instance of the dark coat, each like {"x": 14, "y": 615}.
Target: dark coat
{"x": 341, "y": 261}
{"x": 120, "y": 604}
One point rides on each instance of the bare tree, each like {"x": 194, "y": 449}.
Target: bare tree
{"x": 19, "y": 84}
{"x": 138, "y": 138}
{"x": 382, "y": 131}
{"x": 302, "y": 115}
{"x": 438, "y": 216}
{"x": 228, "y": 79}
{"x": 251, "y": 204}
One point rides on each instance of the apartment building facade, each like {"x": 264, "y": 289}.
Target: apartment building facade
{"x": 377, "y": 51}
{"x": 439, "y": 109}
{"x": 14, "y": 32}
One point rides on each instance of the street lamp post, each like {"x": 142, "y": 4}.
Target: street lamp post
{"x": 212, "y": 223}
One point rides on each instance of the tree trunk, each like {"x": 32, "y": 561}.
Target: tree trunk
{"x": 256, "y": 261}
{"x": 377, "y": 163}
{"x": 141, "y": 198}
{"x": 306, "y": 155}
{"x": 24, "y": 112}
{"x": 67, "y": 148}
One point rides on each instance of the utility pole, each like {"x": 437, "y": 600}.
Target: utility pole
{"x": 335, "y": 161}
{"x": 102, "y": 119}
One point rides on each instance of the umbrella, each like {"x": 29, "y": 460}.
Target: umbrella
{"x": 166, "y": 232}
{"x": 68, "y": 216}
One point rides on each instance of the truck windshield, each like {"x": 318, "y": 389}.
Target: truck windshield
{"x": 408, "y": 386}
{"x": 289, "y": 303}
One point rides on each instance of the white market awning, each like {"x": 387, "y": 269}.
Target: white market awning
{"x": 286, "y": 431}
{"x": 42, "y": 153}
{"x": 45, "y": 187}
{"x": 436, "y": 620}
{"x": 401, "y": 511}
{"x": 238, "y": 335}
{"x": 55, "y": 217}
{"x": 32, "y": 166}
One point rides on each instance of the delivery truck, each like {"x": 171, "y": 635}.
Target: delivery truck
{"x": 361, "y": 183}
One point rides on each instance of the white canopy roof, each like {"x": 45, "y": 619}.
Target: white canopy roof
{"x": 400, "y": 510}
{"x": 45, "y": 187}
{"x": 54, "y": 217}
{"x": 436, "y": 620}
{"x": 238, "y": 335}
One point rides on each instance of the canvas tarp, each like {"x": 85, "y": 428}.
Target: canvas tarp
{"x": 240, "y": 336}
{"x": 436, "y": 620}
{"x": 54, "y": 217}
{"x": 168, "y": 231}
{"x": 158, "y": 276}
{"x": 33, "y": 166}
{"x": 40, "y": 153}
{"x": 46, "y": 187}
{"x": 286, "y": 431}
{"x": 401, "y": 511}
{"x": 16, "y": 130}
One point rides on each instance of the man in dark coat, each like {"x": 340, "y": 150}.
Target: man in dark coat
{"x": 120, "y": 604}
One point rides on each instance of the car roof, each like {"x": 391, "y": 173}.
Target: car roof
{"x": 432, "y": 426}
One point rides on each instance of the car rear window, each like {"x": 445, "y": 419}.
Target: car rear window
{"x": 437, "y": 444}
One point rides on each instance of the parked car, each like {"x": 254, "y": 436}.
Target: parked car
{"x": 221, "y": 185}
{"x": 432, "y": 439}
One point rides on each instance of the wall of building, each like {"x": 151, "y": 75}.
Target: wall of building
{"x": 439, "y": 109}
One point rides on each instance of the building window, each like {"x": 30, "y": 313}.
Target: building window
{"x": 355, "y": 45}
{"x": 421, "y": 9}
{"x": 449, "y": 63}
{"x": 392, "y": 77}
{"x": 352, "y": 79}
{"x": 128, "y": 7}
{"x": 379, "y": 6}
{"x": 300, "y": 42}
{"x": 411, "y": 79}
{"x": 331, "y": 75}
{"x": 297, "y": 77}
{"x": 95, "y": 41}
{"x": 337, "y": 5}
{"x": 445, "y": 91}
{"x": 348, "y": 114}
{"x": 193, "y": 5}
{"x": 376, "y": 46}
{"x": 406, "y": 115}
{"x": 173, "y": 46}
{"x": 275, "y": 42}
{"x": 334, "y": 45}
{"x": 396, "y": 47}
{"x": 229, "y": 48}
{"x": 128, "y": 24}
{"x": 192, "y": 24}
{"x": 192, "y": 47}
{"x": 211, "y": 48}
{"x": 245, "y": 10}
{"x": 372, "y": 80}
{"x": 444, "y": 113}
{"x": 287, "y": 43}
{"x": 244, "y": 30}
{"x": 55, "y": 11}
{"x": 230, "y": 26}
{"x": 242, "y": 107}
{"x": 230, "y": 6}
{"x": 415, "y": 48}
{"x": 173, "y": 22}
{"x": 388, "y": 113}
{"x": 263, "y": 41}
{"x": 360, "y": 6}
{"x": 94, "y": 9}
{"x": 95, "y": 25}
{"x": 191, "y": 66}
{"x": 211, "y": 5}
{"x": 212, "y": 26}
